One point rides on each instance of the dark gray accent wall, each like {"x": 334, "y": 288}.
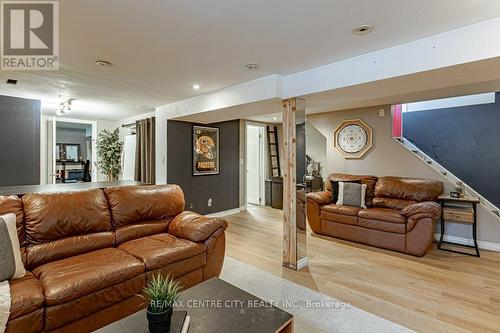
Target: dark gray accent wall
{"x": 19, "y": 141}
{"x": 465, "y": 140}
{"x": 223, "y": 188}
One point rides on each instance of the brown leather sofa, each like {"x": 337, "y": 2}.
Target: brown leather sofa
{"x": 89, "y": 253}
{"x": 400, "y": 213}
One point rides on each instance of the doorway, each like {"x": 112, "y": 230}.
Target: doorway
{"x": 255, "y": 159}
{"x": 71, "y": 150}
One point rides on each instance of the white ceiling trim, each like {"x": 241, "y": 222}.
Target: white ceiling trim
{"x": 468, "y": 44}
{"x": 464, "y": 45}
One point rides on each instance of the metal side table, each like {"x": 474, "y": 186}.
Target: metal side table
{"x": 459, "y": 214}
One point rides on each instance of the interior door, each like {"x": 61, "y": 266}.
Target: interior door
{"x": 255, "y": 164}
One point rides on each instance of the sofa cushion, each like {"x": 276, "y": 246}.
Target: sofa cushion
{"x": 398, "y": 228}
{"x": 344, "y": 210}
{"x": 383, "y": 214}
{"x": 368, "y": 180}
{"x": 66, "y": 313}
{"x": 67, "y": 279}
{"x": 53, "y": 216}
{"x": 160, "y": 250}
{"x": 334, "y": 185}
{"x": 132, "y": 204}
{"x": 40, "y": 254}
{"x": 11, "y": 262}
{"x": 179, "y": 268}
{"x": 352, "y": 194}
{"x": 140, "y": 211}
{"x": 26, "y": 296}
{"x": 65, "y": 224}
{"x": 392, "y": 203}
{"x": 408, "y": 188}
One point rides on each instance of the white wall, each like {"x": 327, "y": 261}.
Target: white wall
{"x": 486, "y": 98}
{"x": 389, "y": 158}
{"x": 316, "y": 146}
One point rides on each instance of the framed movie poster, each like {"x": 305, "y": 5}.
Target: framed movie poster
{"x": 205, "y": 151}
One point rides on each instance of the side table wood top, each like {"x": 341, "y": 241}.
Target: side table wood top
{"x": 464, "y": 199}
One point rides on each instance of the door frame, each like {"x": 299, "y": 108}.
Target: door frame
{"x": 262, "y": 166}
{"x": 53, "y": 133}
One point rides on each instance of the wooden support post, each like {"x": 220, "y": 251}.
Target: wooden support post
{"x": 293, "y": 252}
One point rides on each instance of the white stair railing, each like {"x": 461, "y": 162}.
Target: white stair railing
{"x": 491, "y": 208}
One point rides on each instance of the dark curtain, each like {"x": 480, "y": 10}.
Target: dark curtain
{"x": 145, "y": 151}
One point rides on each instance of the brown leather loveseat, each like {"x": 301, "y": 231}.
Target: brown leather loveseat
{"x": 400, "y": 213}
{"x": 89, "y": 254}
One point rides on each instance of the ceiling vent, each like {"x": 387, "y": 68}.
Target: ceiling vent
{"x": 252, "y": 67}
{"x": 103, "y": 63}
{"x": 362, "y": 29}
{"x": 11, "y": 81}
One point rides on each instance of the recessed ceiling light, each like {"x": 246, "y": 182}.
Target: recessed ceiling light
{"x": 252, "y": 67}
{"x": 196, "y": 86}
{"x": 103, "y": 63}
{"x": 275, "y": 118}
{"x": 362, "y": 29}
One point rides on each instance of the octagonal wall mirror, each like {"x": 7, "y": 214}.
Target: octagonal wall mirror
{"x": 353, "y": 138}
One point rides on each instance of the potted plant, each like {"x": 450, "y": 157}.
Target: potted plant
{"x": 162, "y": 293}
{"x": 109, "y": 152}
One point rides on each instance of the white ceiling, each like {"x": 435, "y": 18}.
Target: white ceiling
{"x": 159, "y": 49}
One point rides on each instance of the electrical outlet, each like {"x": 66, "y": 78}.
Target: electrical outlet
{"x": 210, "y": 202}
{"x": 191, "y": 205}
{"x": 381, "y": 112}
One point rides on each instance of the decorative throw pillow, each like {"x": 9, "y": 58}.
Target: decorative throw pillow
{"x": 11, "y": 263}
{"x": 335, "y": 187}
{"x": 352, "y": 194}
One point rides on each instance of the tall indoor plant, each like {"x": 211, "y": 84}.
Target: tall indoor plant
{"x": 162, "y": 293}
{"x": 109, "y": 152}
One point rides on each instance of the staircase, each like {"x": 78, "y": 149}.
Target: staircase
{"x": 491, "y": 208}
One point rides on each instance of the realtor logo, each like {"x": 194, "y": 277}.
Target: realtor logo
{"x": 30, "y": 35}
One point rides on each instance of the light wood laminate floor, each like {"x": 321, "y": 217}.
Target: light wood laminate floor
{"x": 441, "y": 292}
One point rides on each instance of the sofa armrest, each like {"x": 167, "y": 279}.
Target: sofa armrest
{"x": 195, "y": 227}
{"x": 426, "y": 209}
{"x": 321, "y": 198}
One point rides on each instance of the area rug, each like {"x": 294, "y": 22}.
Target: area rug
{"x": 312, "y": 311}
{"x": 4, "y": 304}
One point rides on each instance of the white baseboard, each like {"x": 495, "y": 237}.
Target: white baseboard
{"x": 304, "y": 262}
{"x": 468, "y": 241}
{"x": 226, "y": 212}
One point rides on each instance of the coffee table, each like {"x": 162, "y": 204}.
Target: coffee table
{"x": 217, "y": 306}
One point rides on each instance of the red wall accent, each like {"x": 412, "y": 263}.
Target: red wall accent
{"x": 397, "y": 121}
